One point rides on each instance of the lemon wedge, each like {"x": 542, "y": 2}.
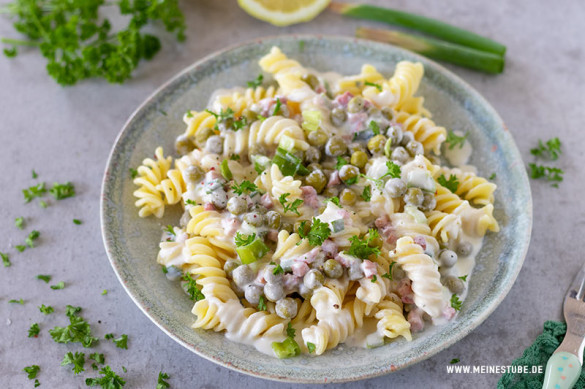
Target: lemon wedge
{"x": 284, "y": 12}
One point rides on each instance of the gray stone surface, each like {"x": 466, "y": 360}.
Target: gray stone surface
{"x": 66, "y": 134}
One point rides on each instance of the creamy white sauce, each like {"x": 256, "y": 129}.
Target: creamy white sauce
{"x": 458, "y": 156}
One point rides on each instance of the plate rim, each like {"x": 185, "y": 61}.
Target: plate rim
{"x": 479, "y": 319}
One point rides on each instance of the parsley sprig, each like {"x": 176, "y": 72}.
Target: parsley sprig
{"x": 109, "y": 379}
{"x": 79, "y": 44}
{"x": 256, "y": 82}
{"x": 549, "y": 149}
{"x": 456, "y": 303}
{"x": 317, "y": 234}
{"x": 455, "y": 140}
{"x": 246, "y": 187}
{"x": 192, "y": 288}
{"x": 452, "y": 183}
{"x": 78, "y": 330}
{"x": 77, "y": 360}
{"x": 244, "y": 240}
{"x": 292, "y": 206}
{"x": 364, "y": 247}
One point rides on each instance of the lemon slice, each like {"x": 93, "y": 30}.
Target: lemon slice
{"x": 284, "y": 12}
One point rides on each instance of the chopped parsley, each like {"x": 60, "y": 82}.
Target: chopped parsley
{"x": 311, "y": 347}
{"x": 256, "y": 82}
{"x": 34, "y": 174}
{"x": 34, "y": 330}
{"x": 77, "y": 360}
{"x": 261, "y": 304}
{"x": 301, "y": 46}
{"x": 34, "y": 191}
{"x": 551, "y": 149}
{"x": 62, "y": 191}
{"x": 394, "y": 170}
{"x": 454, "y": 361}
{"x": 340, "y": 162}
{"x": 367, "y": 193}
{"x": 104, "y": 292}
{"x": 278, "y": 269}
{"x": 293, "y": 206}
{"x": 374, "y": 127}
{"x": 276, "y": 107}
{"x": 246, "y": 187}
{"x": 98, "y": 358}
{"x": 455, "y": 302}
{"x": 46, "y": 310}
{"x": 161, "y": 383}
{"x": 188, "y": 114}
{"x": 244, "y": 240}
{"x": 334, "y": 200}
{"x": 59, "y": 285}
{"x": 463, "y": 278}
{"x": 192, "y": 288}
{"x": 222, "y": 116}
{"x": 77, "y": 221}
{"x": 290, "y": 331}
{"x": 452, "y": 183}
{"x": 377, "y": 86}
{"x": 169, "y": 230}
{"x": 133, "y": 173}
{"x": 121, "y": 342}
{"x": 240, "y": 123}
{"x": 34, "y": 235}
{"x": 317, "y": 234}
{"x": 110, "y": 379}
{"x": 493, "y": 176}
{"x": 78, "y": 330}
{"x": 20, "y": 247}
{"x": 190, "y": 202}
{"x": 5, "y": 259}
{"x": 14, "y": 301}
{"x": 260, "y": 117}
{"x": 37, "y": 383}
{"x": 109, "y": 336}
{"x": 32, "y": 371}
{"x": 551, "y": 174}
{"x": 19, "y": 222}
{"x": 374, "y": 278}
{"x": 43, "y": 204}
{"x": 234, "y": 157}
{"x": 455, "y": 140}
{"x": 363, "y": 248}
{"x": 44, "y": 277}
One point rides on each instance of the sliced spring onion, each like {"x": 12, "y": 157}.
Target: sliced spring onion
{"x": 287, "y": 143}
{"x": 288, "y": 163}
{"x": 252, "y": 252}
{"x": 225, "y": 170}
{"x": 288, "y": 348}
{"x": 429, "y": 26}
{"x": 311, "y": 120}
{"x": 434, "y": 48}
{"x": 338, "y": 225}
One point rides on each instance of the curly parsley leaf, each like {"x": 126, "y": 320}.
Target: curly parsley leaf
{"x": 246, "y": 187}
{"x": 364, "y": 247}
{"x": 62, "y": 191}
{"x": 455, "y": 302}
{"x": 59, "y": 285}
{"x": 110, "y": 379}
{"x": 77, "y": 221}
{"x": 78, "y": 330}
{"x": 19, "y": 222}
{"x": 317, "y": 234}
{"x": 34, "y": 191}
{"x": 455, "y": 140}
{"x": 161, "y": 383}
{"x": 32, "y": 371}
{"x": 290, "y": 207}
{"x": 14, "y": 301}
{"x": 34, "y": 330}
{"x": 389, "y": 274}
{"x": 373, "y": 125}
{"x": 367, "y": 193}
{"x": 340, "y": 162}
{"x": 551, "y": 149}
{"x": 77, "y": 360}
{"x": 121, "y": 342}
{"x": 71, "y": 311}
{"x": 46, "y": 310}
{"x": 244, "y": 240}
{"x": 34, "y": 235}
{"x": 334, "y": 200}
{"x": 256, "y": 82}
{"x": 278, "y": 270}
{"x": 394, "y": 171}
{"x": 5, "y": 259}
{"x": 192, "y": 288}
{"x": 551, "y": 174}
{"x": 452, "y": 183}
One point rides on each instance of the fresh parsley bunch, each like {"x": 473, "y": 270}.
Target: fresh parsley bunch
{"x": 79, "y": 44}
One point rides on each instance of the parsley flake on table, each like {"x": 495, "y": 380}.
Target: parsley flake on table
{"x": 110, "y": 379}
{"x": 34, "y": 191}
{"x": 62, "y": 191}
{"x": 79, "y": 43}
{"x": 34, "y": 174}
{"x": 77, "y": 360}
{"x": 19, "y": 222}
{"x": 77, "y": 221}
{"x": 551, "y": 149}
{"x": 34, "y": 235}
{"x": 161, "y": 383}
{"x": 492, "y": 177}
{"x": 364, "y": 247}
{"x": 455, "y": 140}
{"x": 32, "y": 371}
{"x": 317, "y": 234}
{"x": 256, "y": 82}
{"x": 5, "y": 259}
{"x": 46, "y": 310}
{"x": 192, "y": 288}
{"x": 367, "y": 193}
{"x": 246, "y": 187}
{"x": 551, "y": 174}
{"x": 455, "y": 302}
{"x": 70, "y": 310}
{"x": 99, "y": 358}
{"x": 20, "y": 247}
{"x": 290, "y": 207}
{"x": 454, "y": 361}
{"x": 104, "y": 292}
{"x": 452, "y": 183}
{"x": 34, "y": 330}
{"x": 43, "y": 204}
{"x": 59, "y": 285}
{"x": 78, "y": 330}
{"x": 121, "y": 342}
{"x": 14, "y": 301}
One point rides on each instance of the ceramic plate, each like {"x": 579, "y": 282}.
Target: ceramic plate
{"x": 132, "y": 242}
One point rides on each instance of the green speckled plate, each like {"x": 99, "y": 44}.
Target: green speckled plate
{"x": 131, "y": 242}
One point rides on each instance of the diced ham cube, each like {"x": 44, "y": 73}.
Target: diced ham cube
{"x": 344, "y": 99}
{"x": 449, "y": 313}
{"x": 405, "y": 291}
{"x": 416, "y": 321}
{"x": 209, "y": 207}
{"x": 369, "y": 268}
{"x": 300, "y": 268}
{"x": 382, "y": 221}
{"x": 272, "y": 235}
{"x": 421, "y": 241}
{"x": 330, "y": 248}
{"x": 310, "y": 197}
{"x": 230, "y": 225}
{"x": 266, "y": 201}
{"x": 310, "y": 256}
{"x": 334, "y": 179}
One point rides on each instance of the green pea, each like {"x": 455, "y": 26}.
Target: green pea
{"x": 373, "y": 111}
{"x": 332, "y": 268}
{"x": 414, "y": 196}
{"x": 376, "y": 144}
{"x": 356, "y": 104}
{"x": 415, "y": 148}
{"x": 347, "y": 197}
{"x": 388, "y": 113}
{"x": 317, "y": 138}
{"x": 237, "y": 205}
{"x": 335, "y": 146}
{"x": 202, "y": 135}
{"x": 254, "y": 219}
{"x": 349, "y": 174}
{"x": 184, "y": 144}
{"x": 286, "y": 226}
{"x": 312, "y": 80}
{"x": 317, "y": 180}
{"x": 359, "y": 159}
{"x": 194, "y": 173}
{"x": 312, "y": 155}
{"x": 273, "y": 219}
{"x": 330, "y": 192}
{"x": 338, "y": 116}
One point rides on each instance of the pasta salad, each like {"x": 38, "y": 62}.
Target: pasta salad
{"x": 317, "y": 211}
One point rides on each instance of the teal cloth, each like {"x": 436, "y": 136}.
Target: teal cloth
{"x": 537, "y": 355}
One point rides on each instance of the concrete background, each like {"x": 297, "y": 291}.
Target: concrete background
{"x": 66, "y": 135}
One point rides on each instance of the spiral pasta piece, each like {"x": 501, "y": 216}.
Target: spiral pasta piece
{"x": 356, "y": 83}
{"x": 239, "y": 101}
{"x": 205, "y": 223}
{"x": 391, "y": 321}
{"x": 290, "y": 246}
{"x": 424, "y": 130}
{"x": 275, "y": 183}
{"x": 477, "y": 190}
{"x": 424, "y": 274}
{"x": 405, "y": 82}
{"x": 269, "y": 132}
{"x": 173, "y": 187}
{"x": 287, "y": 73}
{"x": 444, "y": 227}
{"x": 150, "y": 174}
{"x": 198, "y": 121}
